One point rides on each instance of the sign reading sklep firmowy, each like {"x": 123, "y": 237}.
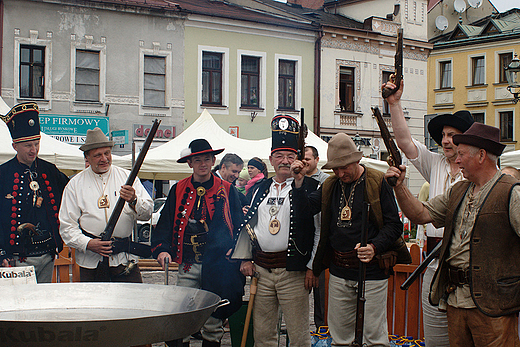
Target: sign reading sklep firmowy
{"x": 71, "y": 128}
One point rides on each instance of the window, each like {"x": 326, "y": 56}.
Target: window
{"x": 212, "y": 78}
{"x": 479, "y": 117}
{"x": 445, "y": 77}
{"x": 32, "y": 71}
{"x": 250, "y": 81}
{"x": 504, "y": 60}
{"x": 286, "y": 84}
{"x": 478, "y": 66}
{"x": 386, "y": 77}
{"x": 87, "y": 75}
{"x": 154, "y": 80}
{"x": 506, "y": 126}
{"x": 346, "y": 89}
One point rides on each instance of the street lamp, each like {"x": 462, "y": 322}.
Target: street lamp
{"x": 513, "y": 78}
{"x": 358, "y": 141}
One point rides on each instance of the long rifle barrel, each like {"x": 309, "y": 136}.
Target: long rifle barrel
{"x": 109, "y": 229}
{"x": 422, "y": 266}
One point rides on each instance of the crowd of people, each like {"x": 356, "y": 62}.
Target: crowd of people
{"x": 226, "y": 222}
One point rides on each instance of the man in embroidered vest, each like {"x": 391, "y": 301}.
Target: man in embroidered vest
{"x": 283, "y": 239}
{"x": 478, "y": 276}
{"x": 441, "y": 171}
{"x": 31, "y": 194}
{"x": 88, "y": 202}
{"x": 197, "y": 228}
{"x": 340, "y": 200}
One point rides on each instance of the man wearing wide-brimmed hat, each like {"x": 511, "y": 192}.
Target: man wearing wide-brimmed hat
{"x": 442, "y": 172}
{"x": 30, "y": 198}
{"x": 198, "y": 224}
{"x": 341, "y": 201}
{"x": 88, "y": 202}
{"x": 477, "y": 279}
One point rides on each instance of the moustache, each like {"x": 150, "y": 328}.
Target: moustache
{"x": 284, "y": 165}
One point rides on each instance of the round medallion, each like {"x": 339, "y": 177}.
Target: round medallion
{"x": 201, "y": 191}
{"x": 273, "y": 210}
{"x": 274, "y": 226}
{"x": 34, "y": 186}
{"x": 31, "y": 122}
{"x": 283, "y": 123}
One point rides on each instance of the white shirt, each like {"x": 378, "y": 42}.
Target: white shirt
{"x": 79, "y": 211}
{"x": 280, "y": 241}
{"x": 435, "y": 169}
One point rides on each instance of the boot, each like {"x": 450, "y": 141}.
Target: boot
{"x": 206, "y": 343}
{"x": 176, "y": 343}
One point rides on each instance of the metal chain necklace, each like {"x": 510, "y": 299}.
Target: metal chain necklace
{"x": 274, "y": 223}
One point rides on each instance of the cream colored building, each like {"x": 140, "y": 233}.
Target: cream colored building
{"x": 466, "y": 71}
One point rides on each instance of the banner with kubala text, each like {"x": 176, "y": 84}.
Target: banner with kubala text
{"x": 17, "y": 275}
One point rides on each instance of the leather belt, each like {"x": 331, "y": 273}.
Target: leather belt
{"x": 348, "y": 260}
{"x": 271, "y": 260}
{"x": 120, "y": 245}
{"x": 431, "y": 242}
{"x": 457, "y": 276}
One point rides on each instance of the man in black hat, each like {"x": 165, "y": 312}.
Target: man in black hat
{"x": 283, "y": 239}
{"x": 442, "y": 172}
{"x": 31, "y": 195}
{"x": 198, "y": 224}
{"x": 88, "y": 202}
{"x": 477, "y": 279}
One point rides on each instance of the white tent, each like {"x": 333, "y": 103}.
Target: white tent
{"x": 510, "y": 159}
{"x": 161, "y": 162}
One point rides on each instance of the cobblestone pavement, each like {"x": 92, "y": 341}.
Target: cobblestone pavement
{"x": 157, "y": 277}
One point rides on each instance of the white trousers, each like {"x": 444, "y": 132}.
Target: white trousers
{"x": 285, "y": 289}
{"x": 435, "y": 322}
{"x": 342, "y": 311}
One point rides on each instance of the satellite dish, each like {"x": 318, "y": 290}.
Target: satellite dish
{"x": 441, "y": 23}
{"x": 475, "y": 3}
{"x": 459, "y": 5}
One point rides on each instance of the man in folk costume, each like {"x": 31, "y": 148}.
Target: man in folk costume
{"x": 198, "y": 224}
{"x": 88, "y": 202}
{"x": 31, "y": 194}
{"x": 442, "y": 172}
{"x": 340, "y": 200}
{"x": 279, "y": 241}
{"x": 477, "y": 280}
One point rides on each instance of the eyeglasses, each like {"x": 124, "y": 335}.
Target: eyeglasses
{"x": 279, "y": 156}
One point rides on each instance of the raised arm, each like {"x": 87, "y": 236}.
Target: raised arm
{"x": 410, "y": 205}
{"x": 401, "y": 131}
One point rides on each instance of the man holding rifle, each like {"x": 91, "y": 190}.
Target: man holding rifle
{"x": 442, "y": 172}
{"x": 197, "y": 228}
{"x": 340, "y": 200}
{"x": 477, "y": 278}
{"x": 87, "y": 203}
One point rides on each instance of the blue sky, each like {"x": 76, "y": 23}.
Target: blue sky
{"x": 504, "y": 5}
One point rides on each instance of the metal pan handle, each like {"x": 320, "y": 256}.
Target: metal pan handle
{"x": 223, "y": 302}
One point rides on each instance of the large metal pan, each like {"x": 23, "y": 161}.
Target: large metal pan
{"x": 101, "y": 314}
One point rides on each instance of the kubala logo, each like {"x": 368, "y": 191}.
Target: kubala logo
{"x": 13, "y": 274}
{"x": 41, "y": 335}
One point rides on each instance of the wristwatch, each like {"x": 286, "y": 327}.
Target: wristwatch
{"x": 133, "y": 202}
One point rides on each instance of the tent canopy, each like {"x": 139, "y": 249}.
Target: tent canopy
{"x": 161, "y": 162}
{"x": 510, "y": 159}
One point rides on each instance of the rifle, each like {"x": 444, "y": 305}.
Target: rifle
{"x": 398, "y": 65}
{"x": 360, "y": 310}
{"x": 394, "y": 159}
{"x": 302, "y": 134}
{"x": 422, "y": 266}
{"x": 106, "y": 235}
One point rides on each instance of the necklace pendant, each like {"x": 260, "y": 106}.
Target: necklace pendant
{"x": 273, "y": 210}
{"x": 274, "y": 226}
{"x": 346, "y": 213}
{"x": 34, "y": 186}
{"x": 103, "y": 202}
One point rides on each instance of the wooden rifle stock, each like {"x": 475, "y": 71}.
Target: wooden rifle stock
{"x": 109, "y": 229}
{"x": 360, "y": 310}
{"x": 394, "y": 159}
{"x": 398, "y": 65}
{"x": 422, "y": 266}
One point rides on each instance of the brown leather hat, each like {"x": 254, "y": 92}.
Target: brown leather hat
{"x": 96, "y": 139}
{"x": 341, "y": 151}
{"x": 481, "y": 136}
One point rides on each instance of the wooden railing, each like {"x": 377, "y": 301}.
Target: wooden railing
{"x": 404, "y": 310}
{"x": 65, "y": 267}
